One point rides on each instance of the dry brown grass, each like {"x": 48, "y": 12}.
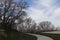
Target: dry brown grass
{"x": 53, "y": 32}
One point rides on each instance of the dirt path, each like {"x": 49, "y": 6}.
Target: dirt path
{"x": 40, "y": 37}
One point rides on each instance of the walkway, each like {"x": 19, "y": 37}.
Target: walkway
{"x": 40, "y": 37}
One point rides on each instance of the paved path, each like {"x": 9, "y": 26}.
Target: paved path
{"x": 40, "y": 37}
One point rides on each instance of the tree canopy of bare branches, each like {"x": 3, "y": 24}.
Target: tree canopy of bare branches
{"x": 10, "y": 13}
{"x": 46, "y": 26}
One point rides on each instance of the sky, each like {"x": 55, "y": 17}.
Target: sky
{"x": 44, "y": 10}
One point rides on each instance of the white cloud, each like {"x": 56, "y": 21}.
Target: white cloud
{"x": 56, "y": 12}
{"x": 36, "y": 12}
{"x": 46, "y": 3}
{"x": 37, "y": 15}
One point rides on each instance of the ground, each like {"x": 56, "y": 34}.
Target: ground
{"x": 53, "y": 34}
{"x": 41, "y": 37}
{"x": 12, "y": 35}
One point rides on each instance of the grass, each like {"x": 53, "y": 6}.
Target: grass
{"x": 51, "y": 35}
{"x": 53, "y": 32}
{"x": 17, "y": 36}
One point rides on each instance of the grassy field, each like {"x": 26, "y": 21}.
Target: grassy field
{"x": 53, "y": 34}
{"x": 16, "y": 36}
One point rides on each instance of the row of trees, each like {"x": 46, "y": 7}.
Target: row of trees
{"x": 30, "y": 25}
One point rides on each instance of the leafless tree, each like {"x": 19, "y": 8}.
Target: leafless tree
{"x": 27, "y": 26}
{"x": 46, "y": 25}
{"x": 10, "y": 13}
{"x": 57, "y": 28}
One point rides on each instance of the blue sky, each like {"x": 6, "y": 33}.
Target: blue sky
{"x": 44, "y": 10}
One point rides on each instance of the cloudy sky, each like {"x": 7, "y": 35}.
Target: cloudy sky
{"x": 45, "y": 10}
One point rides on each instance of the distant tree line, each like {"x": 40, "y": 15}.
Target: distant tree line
{"x": 30, "y": 25}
